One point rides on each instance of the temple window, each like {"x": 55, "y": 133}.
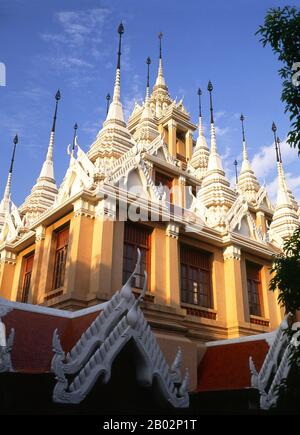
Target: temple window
{"x": 195, "y": 268}
{"x": 62, "y": 240}
{"x": 254, "y": 289}
{"x": 28, "y": 264}
{"x": 136, "y": 236}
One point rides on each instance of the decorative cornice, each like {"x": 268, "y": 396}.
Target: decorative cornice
{"x": 40, "y": 233}
{"x": 7, "y": 257}
{"x": 84, "y": 208}
{"x": 172, "y": 231}
{"x": 232, "y": 252}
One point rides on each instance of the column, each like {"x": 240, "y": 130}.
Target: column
{"x": 40, "y": 234}
{"x": 261, "y": 222}
{"x": 172, "y": 265}
{"x": 77, "y": 279}
{"x": 235, "y": 305}
{"x": 189, "y": 144}
{"x": 107, "y": 251}
{"x": 157, "y": 276}
{"x": 179, "y": 191}
{"x": 7, "y": 270}
{"x": 172, "y": 125}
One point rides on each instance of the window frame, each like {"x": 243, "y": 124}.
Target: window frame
{"x": 199, "y": 273}
{"x": 134, "y": 244}
{"x": 26, "y": 277}
{"x": 254, "y": 291}
{"x": 60, "y": 259}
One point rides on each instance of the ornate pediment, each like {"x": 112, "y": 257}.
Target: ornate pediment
{"x": 121, "y": 321}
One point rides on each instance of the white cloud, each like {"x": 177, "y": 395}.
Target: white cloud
{"x": 79, "y": 27}
{"x": 222, "y": 131}
{"x": 77, "y": 42}
{"x": 293, "y": 184}
{"x": 264, "y": 162}
{"x": 220, "y": 114}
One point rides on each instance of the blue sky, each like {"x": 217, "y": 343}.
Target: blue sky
{"x": 72, "y": 45}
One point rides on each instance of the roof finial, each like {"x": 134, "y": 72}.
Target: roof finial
{"x": 148, "y": 62}
{"x": 120, "y": 31}
{"x": 210, "y": 88}
{"x": 107, "y": 103}
{"x": 57, "y": 98}
{"x": 245, "y": 154}
{"x": 8, "y": 183}
{"x": 51, "y": 141}
{"x": 15, "y": 141}
{"x": 74, "y": 137}
{"x": 242, "y": 118}
{"x": 160, "y": 81}
{"x": 274, "y": 129}
{"x": 279, "y": 149}
{"x": 199, "y": 93}
{"x": 160, "y": 36}
{"x": 236, "y": 171}
{"x": 117, "y": 87}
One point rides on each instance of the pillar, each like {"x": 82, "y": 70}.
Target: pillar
{"x": 77, "y": 278}
{"x": 157, "y": 276}
{"x": 189, "y": 144}
{"x": 172, "y": 265}
{"x": 235, "y": 304}
{"x": 7, "y": 270}
{"x": 107, "y": 251}
{"x": 40, "y": 234}
{"x": 261, "y": 222}
{"x": 172, "y": 125}
{"x": 180, "y": 197}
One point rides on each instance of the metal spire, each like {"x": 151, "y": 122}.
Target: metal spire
{"x": 74, "y": 137}
{"x": 15, "y": 141}
{"x": 210, "y": 88}
{"x": 274, "y": 129}
{"x": 120, "y": 31}
{"x": 199, "y": 93}
{"x": 117, "y": 87}
{"x": 242, "y": 118}
{"x": 160, "y": 36}
{"x": 279, "y": 149}
{"x": 57, "y": 98}
{"x": 8, "y": 183}
{"x": 107, "y": 102}
{"x": 51, "y": 141}
{"x": 236, "y": 171}
{"x": 148, "y": 62}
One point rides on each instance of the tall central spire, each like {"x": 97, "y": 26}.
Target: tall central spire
{"x": 48, "y": 169}
{"x": 160, "y": 80}
{"x": 115, "y": 111}
{"x": 113, "y": 139}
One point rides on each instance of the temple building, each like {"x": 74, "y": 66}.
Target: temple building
{"x": 152, "y": 185}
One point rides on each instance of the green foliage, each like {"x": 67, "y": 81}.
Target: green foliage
{"x": 281, "y": 29}
{"x": 286, "y": 269}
